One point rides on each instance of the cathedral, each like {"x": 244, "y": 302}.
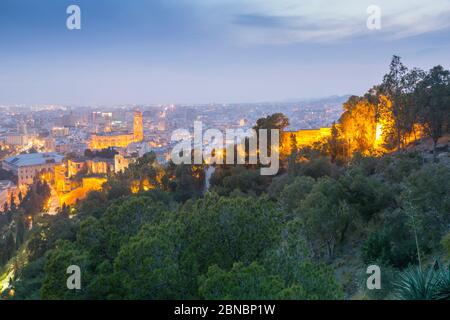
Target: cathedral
{"x": 103, "y": 141}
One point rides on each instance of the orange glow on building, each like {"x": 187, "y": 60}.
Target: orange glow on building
{"x": 98, "y": 142}
{"x": 93, "y": 183}
{"x": 121, "y": 162}
{"x": 89, "y": 184}
{"x": 74, "y": 166}
{"x": 61, "y": 182}
{"x": 100, "y": 166}
{"x": 303, "y": 138}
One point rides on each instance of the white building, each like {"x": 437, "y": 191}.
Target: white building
{"x": 121, "y": 162}
{"x": 17, "y": 139}
{"x": 58, "y": 132}
{"x": 28, "y": 166}
{"x": 50, "y": 144}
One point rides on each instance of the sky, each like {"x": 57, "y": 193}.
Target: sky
{"x": 210, "y": 51}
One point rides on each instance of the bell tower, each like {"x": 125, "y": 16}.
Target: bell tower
{"x": 138, "y": 130}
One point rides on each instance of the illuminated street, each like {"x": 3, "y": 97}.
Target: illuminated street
{"x": 53, "y": 202}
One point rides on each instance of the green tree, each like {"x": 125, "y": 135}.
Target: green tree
{"x": 123, "y": 219}
{"x": 246, "y": 180}
{"x": 433, "y": 94}
{"x": 398, "y": 85}
{"x": 275, "y": 121}
{"x": 425, "y": 195}
{"x": 29, "y": 281}
{"x": 294, "y": 193}
{"x": 188, "y": 182}
{"x": 148, "y": 266}
{"x": 336, "y": 146}
{"x": 225, "y": 230}
{"x": 20, "y": 230}
{"x": 302, "y": 277}
{"x": 325, "y": 216}
{"x": 239, "y": 283}
{"x": 10, "y": 247}
{"x": 64, "y": 254}
{"x": 46, "y": 232}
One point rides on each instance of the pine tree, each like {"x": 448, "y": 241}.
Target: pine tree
{"x": 12, "y": 203}
{"x": 10, "y": 246}
{"x": 20, "y": 231}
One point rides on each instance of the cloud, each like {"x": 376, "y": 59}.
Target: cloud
{"x": 292, "y": 21}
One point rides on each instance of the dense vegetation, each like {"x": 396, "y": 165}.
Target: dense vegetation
{"x": 308, "y": 233}
{"x": 305, "y": 237}
{"x": 15, "y": 220}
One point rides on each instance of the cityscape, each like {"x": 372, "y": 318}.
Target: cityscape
{"x": 61, "y": 142}
{"x": 225, "y": 157}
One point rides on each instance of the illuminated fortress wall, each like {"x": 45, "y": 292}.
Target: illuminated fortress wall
{"x": 89, "y": 184}
{"x": 119, "y": 140}
{"x": 303, "y": 138}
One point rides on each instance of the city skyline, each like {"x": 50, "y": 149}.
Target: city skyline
{"x": 192, "y": 52}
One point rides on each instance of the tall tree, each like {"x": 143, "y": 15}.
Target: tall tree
{"x": 358, "y": 124}
{"x": 20, "y": 230}
{"x": 275, "y": 121}
{"x": 335, "y": 145}
{"x": 10, "y": 246}
{"x": 398, "y": 85}
{"x": 433, "y": 94}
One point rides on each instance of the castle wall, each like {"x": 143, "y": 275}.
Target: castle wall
{"x": 303, "y": 138}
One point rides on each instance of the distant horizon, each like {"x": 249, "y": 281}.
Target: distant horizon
{"x": 182, "y": 104}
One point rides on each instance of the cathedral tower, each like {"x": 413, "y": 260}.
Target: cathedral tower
{"x": 138, "y": 130}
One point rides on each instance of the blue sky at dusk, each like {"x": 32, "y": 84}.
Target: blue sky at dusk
{"x": 201, "y": 51}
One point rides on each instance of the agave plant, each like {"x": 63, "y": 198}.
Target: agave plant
{"x": 417, "y": 284}
{"x": 442, "y": 286}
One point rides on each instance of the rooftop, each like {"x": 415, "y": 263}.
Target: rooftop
{"x": 34, "y": 159}
{"x": 6, "y": 184}
{"x": 113, "y": 134}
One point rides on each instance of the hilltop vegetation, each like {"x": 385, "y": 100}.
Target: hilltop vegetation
{"x": 289, "y": 242}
